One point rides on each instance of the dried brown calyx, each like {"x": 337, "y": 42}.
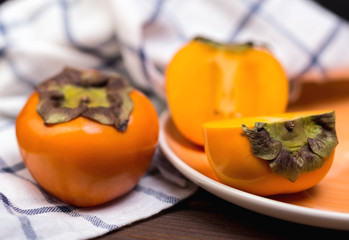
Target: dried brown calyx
{"x": 296, "y": 146}
{"x": 88, "y": 93}
{"x": 234, "y": 47}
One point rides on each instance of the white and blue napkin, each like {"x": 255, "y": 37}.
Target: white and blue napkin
{"x": 137, "y": 38}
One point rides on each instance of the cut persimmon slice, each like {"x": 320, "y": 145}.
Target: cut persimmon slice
{"x": 283, "y": 153}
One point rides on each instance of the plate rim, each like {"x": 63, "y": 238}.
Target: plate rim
{"x": 259, "y": 204}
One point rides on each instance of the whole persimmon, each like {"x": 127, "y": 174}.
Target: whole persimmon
{"x": 87, "y": 137}
{"x": 279, "y": 154}
{"x": 208, "y": 81}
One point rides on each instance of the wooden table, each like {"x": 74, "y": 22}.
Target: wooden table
{"x": 205, "y": 216}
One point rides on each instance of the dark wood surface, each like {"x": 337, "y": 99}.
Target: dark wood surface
{"x": 205, "y": 216}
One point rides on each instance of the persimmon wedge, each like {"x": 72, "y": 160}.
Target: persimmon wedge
{"x": 284, "y": 153}
{"x": 208, "y": 81}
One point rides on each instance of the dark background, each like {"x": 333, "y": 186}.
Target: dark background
{"x": 339, "y": 7}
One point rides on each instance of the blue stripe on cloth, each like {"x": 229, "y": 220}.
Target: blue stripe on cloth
{"x": 13, "y": 67}
{"x": 110, "y": 62}
{"x": 156, "y": 194}
{"x": 141, "y": 52}
{"x": 27, "y": 228}
{"x": 3, "y": 165}
{"x": 6, "y": 125}
{"x": 291, "y": 37}
{"x": 37, "y": 13}
{"x": 19, "y": 75}
{"x": 92, "y": 50}
{"x": 3, "y": 29}
{"x": 152, "y": 172}
{"x": 51, "y": 209}
{"x": 4, "y": 168}
{"x": 111, "y": 39}
{"x": 17, "y": 167}
{"x": 94, "y": 220}
{"x": 158, "y": 7}
{"x": 244, "y": 21}
{"x": 3, "y": 51}
{"x": 176, "y": 27}
{"x": 33, "y": 16}
{"x": 70, "y": 211}
{"x": 281, "y": 29}
{"x": 24, "y": 221}
{"x": 143, "y": 58}
{"x": 315, "y": 58}
{"x": 66, "y": 23}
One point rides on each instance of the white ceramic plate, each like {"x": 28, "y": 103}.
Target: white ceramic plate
{"x": 266, "y": 206}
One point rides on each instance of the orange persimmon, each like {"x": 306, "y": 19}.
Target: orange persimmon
{"x": 82, "y": 161}
{"x": 208, "y": 81}
{"x": 285, "y": 153}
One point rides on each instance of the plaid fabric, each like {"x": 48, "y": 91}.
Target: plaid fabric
{"x": 137, "y": 38}
{"x": 28, "y": 212}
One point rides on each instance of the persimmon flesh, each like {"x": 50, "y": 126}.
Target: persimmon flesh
{"x": 207, "y": 81}
{"x": 230, "y": 154}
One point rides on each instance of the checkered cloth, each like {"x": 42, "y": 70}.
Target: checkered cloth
{"x": 137, "y": 38}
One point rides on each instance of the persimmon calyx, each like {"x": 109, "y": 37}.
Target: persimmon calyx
{"x": 234, "y": 47}
{"x": 88, "y": 93}
{"x": 296, "y": 146}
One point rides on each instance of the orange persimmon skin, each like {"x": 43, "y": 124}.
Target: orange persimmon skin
{"x": 85, "y": 163}
{"x": 229, "y": 152}
{"x": 204, "y": 83}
